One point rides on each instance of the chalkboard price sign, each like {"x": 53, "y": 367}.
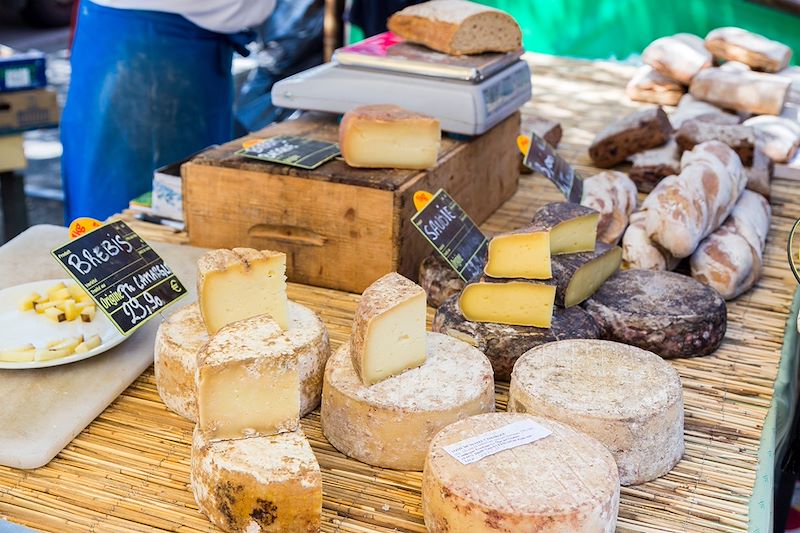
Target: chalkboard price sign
{"x": 126, "y": 278}
{"x": 454, "y": 235}
{"x": 293, "y": 151}
{"x": 542, "y": 158}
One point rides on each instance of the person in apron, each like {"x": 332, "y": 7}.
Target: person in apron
{"x": 151, "y": 84}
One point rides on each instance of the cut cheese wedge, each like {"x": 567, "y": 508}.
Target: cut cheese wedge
{"x": 578, "y": 276}
{"x": 519, "y": 303}
{"x": 573, "y": 227}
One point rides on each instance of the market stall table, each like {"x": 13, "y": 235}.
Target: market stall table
{"x": 128, "y": 470}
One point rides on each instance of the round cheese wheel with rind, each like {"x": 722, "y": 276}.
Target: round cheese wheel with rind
{"x": 629, "y": 399}
{"x": 390, "y": 424}
{"x": 503, "y": 344}
{"x": 664, "y": 312}
{"x": 268, "y": 484}
{"x": 566, "y": 482}
{"x": 181, "y": 336}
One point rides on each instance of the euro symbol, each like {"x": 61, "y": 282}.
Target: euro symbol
{"x": 175, "y": 285}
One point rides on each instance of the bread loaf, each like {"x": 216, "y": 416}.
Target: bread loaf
{"x": 752, "y": 49}
{"x": 457, "y": 27}
{"x": 759, "y": 174}
{"x": 680, "y": 56}
{"x": 651, "y": 166}
{"x": 690, "y": 108}
{"x": 752, "y": 92}
{"x": 741, "y": 138}
{"x": 684, "y": 210}
{"x": 793, "y": 75}
{"x": 632, "y": 133}
{"x": 730, "y": 259}
{"x": 779, "y": 136}
{"x": 639, "y": 250}
{"x": 648, "y": 85}
{"x": 613, "y": 195}
{"x": 734, "y": 66}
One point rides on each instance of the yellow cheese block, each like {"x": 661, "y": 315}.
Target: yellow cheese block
{"x": 241, "y": 283}
{"x": 519, "y": 303}
{"x": 573, "y": 227}
{"x": 388, "y": 136}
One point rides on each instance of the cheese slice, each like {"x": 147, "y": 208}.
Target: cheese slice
{"x": 519, "y": 303}
{"x": 248, "y": 381}
{"x": 241, "y": 283}
{"x": 573, "y": 227}
{"x": 388, "y": 329}
{"x": 267, "y": 484}
{"x": 390, "y": 424}
{"x": 388, "y": 136}
{"x": 566, "y": 482}
{"x": 629, "y": 399}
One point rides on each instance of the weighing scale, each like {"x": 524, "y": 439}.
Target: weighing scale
{"x": 464, "y": 104}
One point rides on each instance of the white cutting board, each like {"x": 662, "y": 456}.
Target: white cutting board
{"x": 44, "y": 409}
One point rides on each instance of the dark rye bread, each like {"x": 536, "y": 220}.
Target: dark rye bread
{"x": 651, "y": 166}
{"x": 741, "y": 139}
{"x": 504, "y": 344}
{"x": 439, "y": 280}
{"x": 667, "y": 313}
{"x": 759, "y": 174}
{"x": 630, "y": 134}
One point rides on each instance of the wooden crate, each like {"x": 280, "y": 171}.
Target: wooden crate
{"x": 340, "y": 227}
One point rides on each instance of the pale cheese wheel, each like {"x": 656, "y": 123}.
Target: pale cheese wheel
{"x": 627, "y": 398}
{"x": 181, "y": 336}
{"x": 566, "y": 482}
{"x": 257, "y": 484}
{"x": 391, "y": 423}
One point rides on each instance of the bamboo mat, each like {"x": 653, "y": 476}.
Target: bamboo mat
{"x": 128, "y": 471}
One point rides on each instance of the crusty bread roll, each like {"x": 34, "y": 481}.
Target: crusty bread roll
{"x": 639, "y": 250}
{"x": 680, "y": 56}
{"x": 730, "y": 259}
{"x": 683, "y": 210}
{"x": 457, "y": 27}
{"x": 779, "y": 136}
{"x": 648, "y": 85}
{"x": 752, "y": 49}
{"x": 752, "y": 92}
{"x": 690, "y": 108}
{"x": 613, "y": 195}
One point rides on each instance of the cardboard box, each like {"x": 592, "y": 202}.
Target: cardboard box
{"x": 28, "y": 110}
{"x": 340, "y": 227}
{"x": 22, "y": 71}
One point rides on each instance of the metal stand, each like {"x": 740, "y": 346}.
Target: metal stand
{"x": 15, "y": 211}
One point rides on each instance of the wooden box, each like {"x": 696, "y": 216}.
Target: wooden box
{"x": 341, "y": 227}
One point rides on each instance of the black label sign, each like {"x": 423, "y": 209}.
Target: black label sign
{"x": 454, "y": 235}
{"x": 542, "y": 158}
{"x": 126, "y": 278}
{"x": 293, "y": 151}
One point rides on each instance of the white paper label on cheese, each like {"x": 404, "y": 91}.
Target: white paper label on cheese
{"x": 476, "y": 448}
{"x": 17, "y": 77}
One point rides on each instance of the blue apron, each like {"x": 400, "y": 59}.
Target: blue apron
{"x": 147, "y": 89}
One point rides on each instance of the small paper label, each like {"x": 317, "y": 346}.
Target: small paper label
{"x": 293, "y": 151}
{"x": 542, "y": 158}
{"x": 516, "y": 434}
{"x": 17, "y": 78}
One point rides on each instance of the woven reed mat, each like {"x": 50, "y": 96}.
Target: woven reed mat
{"x": 128, "y": 471}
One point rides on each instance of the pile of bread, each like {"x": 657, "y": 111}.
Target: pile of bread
{"x": 707, "y": 166}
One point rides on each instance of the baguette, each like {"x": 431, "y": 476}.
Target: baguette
{"x": 680, "y": 56}
{"x": 730, "y": 260}
{"x": 752, "y": 49}
{"x": 457, "y": 27}
{"x": 751, "y": 92}
{"x": 683, "y": 211}
{"x": 613, "y": 195}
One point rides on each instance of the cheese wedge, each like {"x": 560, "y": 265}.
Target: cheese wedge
{"x": 518, "y": 303}
{"x": 248, "y": 381}
{"x": 388, "y": 329}
{"x": 241, "y": 283}
{"x": 578, "y": 276}
{"x": 573, "y": 227}
{"x": 388, "y": 136}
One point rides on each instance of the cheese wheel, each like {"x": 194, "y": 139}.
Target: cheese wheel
{"x": 663, "y": 312}
{"x": 627, "y": 398}
{"x": 257, "y": 484}
{"x": 391, "y": 423}
{"x": 181, "y": 336}
{"x": 503, "y": 344}
{"x": 566, "y": 482}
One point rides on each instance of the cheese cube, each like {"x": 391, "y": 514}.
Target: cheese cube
{"x": 248, "y": 381}
{"x": 388, "y": 329}
{"x": 519, "y": 303}
{"x": 388, "y": 136}
{"x": 241, "y": 283}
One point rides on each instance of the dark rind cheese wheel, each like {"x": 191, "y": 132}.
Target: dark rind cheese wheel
{"x": 439, "y": 280}
{"x": 503, "y": 344}
{"x": 667, "y": 313}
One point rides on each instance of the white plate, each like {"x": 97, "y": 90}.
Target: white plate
{"x": 23, "y": 327}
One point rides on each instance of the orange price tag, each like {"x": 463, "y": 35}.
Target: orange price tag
{"x": 82, "y": 226}
{"x": 523, "y": 143}
{"x": 421, "y": 199}
{"x": 250, "y": 142}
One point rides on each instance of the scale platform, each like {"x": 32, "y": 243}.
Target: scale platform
{"x": 467, "y": 107}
